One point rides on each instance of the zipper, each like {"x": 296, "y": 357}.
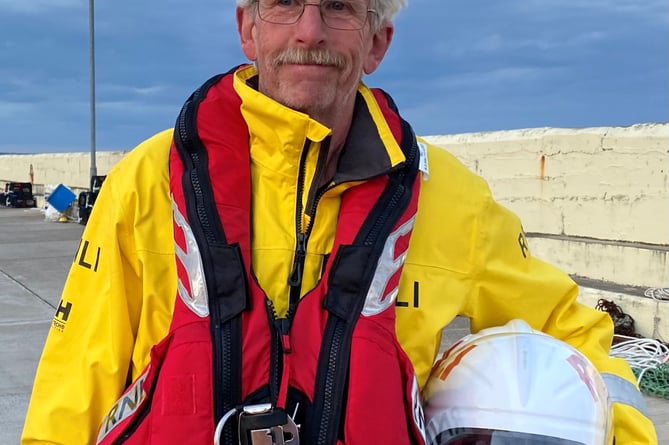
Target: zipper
{"x": 281, "y": 350}
{"x": 295, "y": 277}
{"x": 281, "y": 347}
{"x": 335, "y": 372}
{"x": 303, "y": 233}
{"x": 399, "y": 192}
{"x": 276, "y": 362}
{"x": 329, "y": 407}
{"x": 221, "y": 332}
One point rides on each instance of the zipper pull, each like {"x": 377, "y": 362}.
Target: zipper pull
{"x": 282, "y": 326}
{"x": 295, "y": 278}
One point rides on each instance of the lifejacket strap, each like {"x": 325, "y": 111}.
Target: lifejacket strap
{"x": 346, "y": 280}
{"x": 350, "y": 279}
{"x": 222, "y": 263}
{"x": 231, "y": 295}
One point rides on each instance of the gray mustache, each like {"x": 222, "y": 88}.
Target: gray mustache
{"x": 304, "y": 56}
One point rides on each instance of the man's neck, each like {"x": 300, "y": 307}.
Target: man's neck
{"x": 340, "y": 122}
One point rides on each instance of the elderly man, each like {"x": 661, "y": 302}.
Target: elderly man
{"x": 279, "y": 266}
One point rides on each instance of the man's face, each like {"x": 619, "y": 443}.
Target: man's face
{"x": 308, "y": 66}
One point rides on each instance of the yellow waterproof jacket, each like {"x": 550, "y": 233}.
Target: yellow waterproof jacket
{"x": 467, "y": 257}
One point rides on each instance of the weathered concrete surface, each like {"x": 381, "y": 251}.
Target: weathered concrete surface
{"x": 651, "y": 316}
{"x": 635, "y": 264}
{"x": 622, "y": 272}
{"x": 34, "y": 258}
{"x": 606, "y": 183}
{"x": 71, "y": 169}
{"x": 593, "y": 201}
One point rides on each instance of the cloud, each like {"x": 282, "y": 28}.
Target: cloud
{"x": 129, "y": 90}
{"x": 39, "y": 6}
{"x": 496, "y": 78}
{"x": 453, "y": 66}
{"x": 649, "y": 10}
{"x": 643, "y": 7}
{"x": 14, "y": 110}
{"x": 12, "y": 81}
{"x": 497, "y": 42}
{"x": 501, "y": 78}
{"x": 133, "y": 107}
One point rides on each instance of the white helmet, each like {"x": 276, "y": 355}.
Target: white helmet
{"x": 512, "y": 385}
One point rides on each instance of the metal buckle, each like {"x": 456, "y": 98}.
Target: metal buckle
{"x": 261, "y": 425}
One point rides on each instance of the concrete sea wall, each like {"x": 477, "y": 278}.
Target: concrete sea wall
{"x": 593, "y": 201}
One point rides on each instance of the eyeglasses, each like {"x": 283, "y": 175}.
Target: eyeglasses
{"x": 348, "y": 15}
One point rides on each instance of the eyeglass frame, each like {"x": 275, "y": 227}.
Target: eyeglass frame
{"x": 320, "y": 11}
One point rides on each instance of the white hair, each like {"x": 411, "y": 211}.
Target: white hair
{"x": 385, "y": 9}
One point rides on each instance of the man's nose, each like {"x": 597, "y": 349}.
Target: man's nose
{"x": 311, "y": 27}
{"x": 316, "y": 11}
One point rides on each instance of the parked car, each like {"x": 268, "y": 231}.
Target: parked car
{"x": 18, "y": 194}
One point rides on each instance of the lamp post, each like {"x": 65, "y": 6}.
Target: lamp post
{"x": 91, "y": 40}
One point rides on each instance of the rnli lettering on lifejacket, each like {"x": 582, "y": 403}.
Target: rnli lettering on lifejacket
{"x": 124, "y": 407}
{"x": 195, "y": 295}
{"x": 416, "y": 297}
{"x": 417, "y": 408}
{"x": 379, "y": 297}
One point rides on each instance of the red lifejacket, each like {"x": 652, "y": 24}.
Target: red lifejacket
{"x": 334, "y": 360}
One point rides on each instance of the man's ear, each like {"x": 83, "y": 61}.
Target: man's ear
{"x": 380, "y": 44}
{"x": 245, "y": 28}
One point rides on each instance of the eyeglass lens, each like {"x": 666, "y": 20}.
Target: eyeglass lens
{"x": 337, "y": 14}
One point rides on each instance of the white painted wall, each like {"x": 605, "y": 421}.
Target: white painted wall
{"x": 594, "y": 200}
{"x": 71, "y": 169}
{"x": 605, "y": 183}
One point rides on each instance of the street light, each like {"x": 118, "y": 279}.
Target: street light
{"x": 91, "y": 35}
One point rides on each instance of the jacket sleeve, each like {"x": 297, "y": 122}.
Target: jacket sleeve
{"x": 85, "y": 361}
{"x": 510, "y": 283}
{"x": 91, "y": 352}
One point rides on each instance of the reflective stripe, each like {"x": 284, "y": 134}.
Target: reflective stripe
{"x": 390, "y": 262}
{"x": 624, "y": 391}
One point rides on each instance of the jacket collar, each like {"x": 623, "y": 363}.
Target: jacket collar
{"x": 370, "y": 149}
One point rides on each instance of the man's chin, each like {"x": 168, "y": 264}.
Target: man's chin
{"x": 311, "y": 104}
{"x": 312, "y": 110}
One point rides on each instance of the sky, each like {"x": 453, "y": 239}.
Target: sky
{"x": 453, "y": 66}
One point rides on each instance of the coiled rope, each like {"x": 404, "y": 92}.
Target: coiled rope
{"x": 648, "y": 358}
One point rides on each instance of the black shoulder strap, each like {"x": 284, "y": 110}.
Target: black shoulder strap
{"x": 348, "y": 286}
{"x": 222, "y": 262}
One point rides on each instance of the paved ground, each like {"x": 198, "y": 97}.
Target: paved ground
{"x": 35, "y": 256}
